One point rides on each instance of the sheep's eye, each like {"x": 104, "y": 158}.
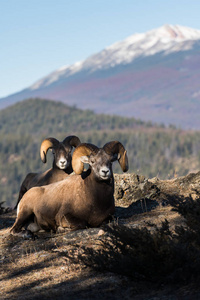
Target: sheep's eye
{"x": 92, "y": 161}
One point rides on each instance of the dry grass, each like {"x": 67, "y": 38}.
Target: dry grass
{"x": 89, "y": 264}
{"x": 43, "y": 268}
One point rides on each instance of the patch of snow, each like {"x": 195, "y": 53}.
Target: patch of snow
{"x": 166, "y": 39}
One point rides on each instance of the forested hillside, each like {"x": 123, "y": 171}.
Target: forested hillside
{"x": 152, "y": 150}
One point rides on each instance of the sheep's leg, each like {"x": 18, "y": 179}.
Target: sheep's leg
{"x": 25, "y": 234}
{"x": 23, "y": 218}
{"x": 70, "y": 222}
{"x": 17, "y": 230}
{"x": 17, "y": 227}
{"x": 45, "y": 223}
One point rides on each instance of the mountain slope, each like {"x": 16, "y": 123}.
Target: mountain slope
{"x": 152, "y": 76}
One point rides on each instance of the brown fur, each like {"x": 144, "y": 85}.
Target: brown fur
{"x": 75, "y": 202}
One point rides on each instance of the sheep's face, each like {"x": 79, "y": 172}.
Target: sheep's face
{"x": 101, "y": 164}
{"x": 62, "y": 156}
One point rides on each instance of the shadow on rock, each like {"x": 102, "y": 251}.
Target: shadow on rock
{"x": 138, "y": 207}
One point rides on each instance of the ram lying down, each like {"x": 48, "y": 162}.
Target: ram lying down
{"x": 61, "y": 167}
{"x": 83, "y": 199}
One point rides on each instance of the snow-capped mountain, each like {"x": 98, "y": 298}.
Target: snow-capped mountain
{"x": 153, "y": 75}
{"x": 166, "y": 39}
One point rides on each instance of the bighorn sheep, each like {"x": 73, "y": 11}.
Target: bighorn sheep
{"x": 61, "y": 164}
{"x": 83, "y": 199}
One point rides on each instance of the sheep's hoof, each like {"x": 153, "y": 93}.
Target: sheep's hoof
{"x": 28, "y": 235}
{"x": 60, "y": 229}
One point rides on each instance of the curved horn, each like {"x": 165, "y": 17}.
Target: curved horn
{"x": 115, "y": 147}
{"x": 82, "y": 150}
{"x": 46, "y": 144}
{"x": 72, "y": 140}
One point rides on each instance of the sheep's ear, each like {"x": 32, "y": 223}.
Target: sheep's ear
{"x": 85, "y": 159}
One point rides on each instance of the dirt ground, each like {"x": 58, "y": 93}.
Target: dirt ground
{"x": 42, "y": 269}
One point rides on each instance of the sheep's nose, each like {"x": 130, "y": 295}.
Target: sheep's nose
{"x": 105, "y": 171}
{"x": 62, "y": 162}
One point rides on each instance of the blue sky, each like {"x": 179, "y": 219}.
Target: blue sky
{"x": 40, "y": 36}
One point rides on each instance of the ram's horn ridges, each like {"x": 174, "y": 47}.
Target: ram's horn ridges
{"x": 71, "y": 140}
{"x": 84, "y": 149}
{"x": 115, "y": 147}
{"x": 46, "y": 144}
